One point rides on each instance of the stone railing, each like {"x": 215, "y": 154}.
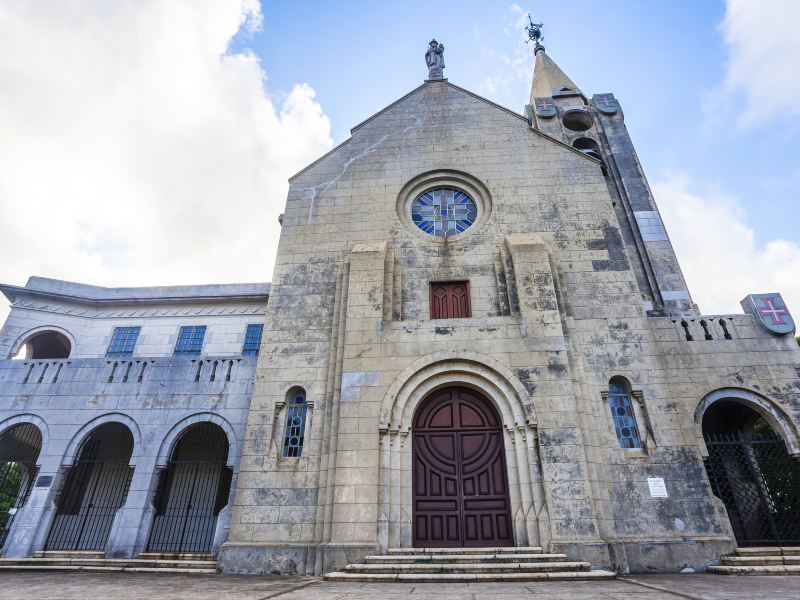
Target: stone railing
{"x": 707, "y": 327}
{"x": 98, "y": 372}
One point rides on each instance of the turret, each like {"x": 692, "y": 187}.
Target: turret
{"x": 596, "y": 127}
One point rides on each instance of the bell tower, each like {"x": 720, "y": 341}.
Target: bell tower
{"x": 596, "y": 127}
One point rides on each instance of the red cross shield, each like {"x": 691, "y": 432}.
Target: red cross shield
{"x": 606, "y": 103}
{"x": 545, "y": 107}
{"x": 770, "y": 310}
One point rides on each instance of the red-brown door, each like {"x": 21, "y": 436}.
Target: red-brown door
{"x": 460, "y": 486}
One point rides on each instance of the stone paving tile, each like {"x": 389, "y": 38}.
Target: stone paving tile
{"x": 129, "y": 586}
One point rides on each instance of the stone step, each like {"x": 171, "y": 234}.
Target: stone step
{"x": 177, "y": 555}
{"x": 108, "y": 562}
{"x": 467, "y": 577}
{"x": 69, "y": 554}
{"x": 756, "y": 570}
{"x": 763, "y": 561}
{"x": 417, "y": 568}
{"x": 107, "y": 569}
{"x": 769, "y": 551}
{"x": 461, "y": 558}
{"x": 504, "y": 550}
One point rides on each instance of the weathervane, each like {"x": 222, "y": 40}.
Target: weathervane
{"x": 534, "y": 32}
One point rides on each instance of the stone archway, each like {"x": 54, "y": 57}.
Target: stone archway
{"x": 509, "y": 399}
{"x": 94, "y": 489}
{"x": 751, "y": 471}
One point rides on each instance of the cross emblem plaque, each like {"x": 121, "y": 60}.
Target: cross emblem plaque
{"x": 770, "y": 311}
{"x": 606, "y": 103}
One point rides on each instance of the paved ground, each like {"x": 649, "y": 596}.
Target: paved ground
{"x": 127, "y": 586}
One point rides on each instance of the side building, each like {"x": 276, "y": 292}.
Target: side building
{"x": 122, "y": 415}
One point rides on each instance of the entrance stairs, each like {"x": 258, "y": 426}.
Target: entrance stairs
{"x": 760, "y": 561}
{"x": 424, "y": 565}
{"x": 148, "y": 562}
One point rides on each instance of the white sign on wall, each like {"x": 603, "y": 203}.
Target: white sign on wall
{"x": 657, "y": 487}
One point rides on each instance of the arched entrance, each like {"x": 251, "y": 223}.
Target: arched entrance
{"x": 94, "y": 489}
{"x": 192, "y": 491}
{"x": 19, "y": 450}
{"x": 460, "y": 485}
{"x": 752, "y": 473}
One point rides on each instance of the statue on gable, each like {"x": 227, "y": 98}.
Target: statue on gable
{"x": 434, "y": 58}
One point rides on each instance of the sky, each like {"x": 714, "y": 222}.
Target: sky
{"x": 149, "y": 143}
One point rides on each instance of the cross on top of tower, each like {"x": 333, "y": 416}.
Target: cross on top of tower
{"x": 534, "y": 33}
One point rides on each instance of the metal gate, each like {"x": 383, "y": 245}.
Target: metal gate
{"x": 759, "y": 483}
{"x": 19, "y": 450}
{"x": 94, "y": 489}
{"x": 191, "y": 492}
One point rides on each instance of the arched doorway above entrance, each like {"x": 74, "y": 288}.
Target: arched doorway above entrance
{"x": 460, "y": 482}
{"x": 751, "y": 471}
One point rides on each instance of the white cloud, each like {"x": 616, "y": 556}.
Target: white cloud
{"x": 509, "y": 71}
{"x": 137, "y": 148}
{"x": 763, "y": 47}
{"x": 721, "y": 259}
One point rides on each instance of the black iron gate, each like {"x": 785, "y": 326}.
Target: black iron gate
{"x": 19, "y": 450}
{"x": 191, "y": 492}
{"x": 94, "y": 490}
{"x": 759, "y": 483}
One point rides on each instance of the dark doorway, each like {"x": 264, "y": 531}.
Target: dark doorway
{"x": 752, "y": 473}
{"x": 192, "y": 491}
{"x": 460, "y": 484}
{"x": 19, "y": 450}
{"x": 94, "y": 489}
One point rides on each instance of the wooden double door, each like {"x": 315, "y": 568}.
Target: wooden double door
{"x": 460, "y": 484}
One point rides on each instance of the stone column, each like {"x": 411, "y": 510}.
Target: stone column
{"x": 129, "y": 532}
{"x": 354, "y": 521}
{"x": 569, "y": 500}
{"x": 32, "y": 522}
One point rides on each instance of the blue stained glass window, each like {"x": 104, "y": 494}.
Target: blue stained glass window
{"x": 294, "y": 434}
{"x": 444, "y": 212}
{"x": 123, "y": 341}
{"x": 252, "y": 339}
{"x": 623, "y": 416}
{"x": 190, "y": 339}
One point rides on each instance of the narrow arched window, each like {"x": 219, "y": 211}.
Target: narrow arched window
{"x": 294, "y": 433}
{"x": 622, "y": 414}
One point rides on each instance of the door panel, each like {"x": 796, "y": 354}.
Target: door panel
{"x": 460, "y": 486}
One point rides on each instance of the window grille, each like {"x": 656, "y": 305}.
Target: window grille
{"x": 252, "y": 340}
{"x": 450, "y": 300}
{"x": 123, "y": 341}
{"x": 190, "y": 339}
{"x": 295, "y": 426}
{"x": 623, "y": 416}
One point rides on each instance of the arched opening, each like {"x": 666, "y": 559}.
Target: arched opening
{"x": 94, "y": 489}
{"x": 577, "y": 120}
{"x": 192, "y": 491}
{"x": 751, "y": 471}
{"x": 460, "y": 483}
{"x": 48, "y": 344}
{"x": 587, "y": 146}
{"x": 19, "y": 450}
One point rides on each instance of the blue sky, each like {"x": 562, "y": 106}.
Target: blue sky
{"x": 150, "y": 142}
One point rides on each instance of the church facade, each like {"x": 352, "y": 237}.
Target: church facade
{"x": 477, "y": 335}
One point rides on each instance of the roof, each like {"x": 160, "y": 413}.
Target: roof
{"x": 549, "y": 79}
{"x": 93, "y": 295}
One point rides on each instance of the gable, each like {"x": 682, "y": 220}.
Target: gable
{"x": 432, "y": 104}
